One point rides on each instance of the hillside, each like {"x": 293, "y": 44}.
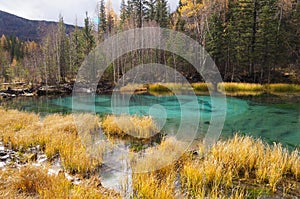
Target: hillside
{"x": 25, "y": 29}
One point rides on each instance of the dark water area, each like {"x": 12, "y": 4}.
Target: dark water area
{"x": 272, "y": 118}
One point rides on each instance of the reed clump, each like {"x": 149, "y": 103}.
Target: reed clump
{"x": 238, "y": 87}
{"x": 136, "y": 126}
{"x": 163, "y": 155}
{"x": 35, "y": 182}
{"x": 167, "y": 87}
{"x": 241, "y": 158}
{"x": 241, "y": 167}
{"x": 283, "y": 88}
{"x": 133, "y": 88}
{"x": 202, "y": 87}
{"x": 153, "y": 185}
{"x": 56, "y": 135}
{"x": 230, "y": 88}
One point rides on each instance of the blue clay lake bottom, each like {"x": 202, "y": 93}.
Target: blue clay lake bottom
{"x": 267, "y": 119}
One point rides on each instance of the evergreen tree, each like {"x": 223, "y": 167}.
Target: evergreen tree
{"x": 150, "y": 10}
{"x": 77, "y": 52}
{"x": 88, "y": 35}
{"x": 123, "y": 12}
{"x": 62, "y": 50}
{"x": 239, "y": 27}
{"x": 139, "y": 12}
{"x": 215, "y": 40}
{"x": 102, "y": 25}
{"x": 162, "y": 13}
{"x": 267, "y": 37}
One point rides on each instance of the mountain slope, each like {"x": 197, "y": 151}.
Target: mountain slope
{"x": 25, "y": 29}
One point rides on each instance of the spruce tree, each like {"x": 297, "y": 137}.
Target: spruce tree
{"x": 123, "y": 12}
{"x": 267, "y": 37}
{"x": 162, "y": 13}
{"x": 215, "y": 40}
{"x": 62, "y": 50}
{"x": 150, "y": 10}
{"x": 139, "y": 10}
{"x": 102, "y": 21}
{"x": 88, "y": 35}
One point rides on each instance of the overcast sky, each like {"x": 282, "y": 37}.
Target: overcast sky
{"x": 50, "y": 9}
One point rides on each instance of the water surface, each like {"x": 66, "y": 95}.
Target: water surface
{"x": 269, "y": 119}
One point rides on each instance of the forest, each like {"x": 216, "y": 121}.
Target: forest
{"x": 254, "y": 41}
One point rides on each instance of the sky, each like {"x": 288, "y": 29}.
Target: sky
{"x": 50, "y": 9}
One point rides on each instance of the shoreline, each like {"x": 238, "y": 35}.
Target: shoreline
{"x": 157, "y": 89}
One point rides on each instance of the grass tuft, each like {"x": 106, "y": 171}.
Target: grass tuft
{"x": 136, "y": 126}
{"x": 202, "y": 87}
{"x": 238, "y": 87}
{"x": 57, "y": 135}
{"x": 34, "y": 182}
{"x": 283, "y": 88}
{"x": 167, "y": 87}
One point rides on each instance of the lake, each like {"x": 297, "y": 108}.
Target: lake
{"x": 271, "y": 118}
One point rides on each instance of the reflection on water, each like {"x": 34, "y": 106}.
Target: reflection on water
{"x": 271, "y": 118}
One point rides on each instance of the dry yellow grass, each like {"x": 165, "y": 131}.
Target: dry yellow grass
{"x": 152, "y": 185}
{"x": 240, "y": 158}
{"x": 34, "y": 182}
{"x": 164, "y": 155}
{"x": 136, "y": 126}
{"x": 245, "y": 87}
{"x": 164, "y": 87}
{"x": 241, "y": 167}
{"x": 133, "y": 88}
{"x": 285, "y": 88}
{"x": 231, "y": 88}
{"x": 56, "y": 134}
{"x": 202, "y": 87}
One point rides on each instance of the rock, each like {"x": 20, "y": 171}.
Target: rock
{"x": 2, "y": 164}
{"x": 54, "y": 172}
{"x": 36, "y": 164}
{"x": 77, "y": 181}
{"x": 4, "y": 158}
{"x": 42, "y": 159}
{"x": 68, "y": 177}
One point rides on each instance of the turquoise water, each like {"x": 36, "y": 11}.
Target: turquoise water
{"x": 273, "y": 122}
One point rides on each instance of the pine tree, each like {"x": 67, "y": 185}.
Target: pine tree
{"x": 102, "y": 23}
{"x": 88, "y": 35}
{"x": 267, "y": 37}
{"x": 139, "y": 12}
{"x": 62, "y": 50}
{"x": 162, "y": 13}
{"x": 150, "y": 10}
{"x": 215, "y": 40}
{"x": 239, "y": 27}
{"x": 77, "y": 52}
{"x": 123, "y": 12}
